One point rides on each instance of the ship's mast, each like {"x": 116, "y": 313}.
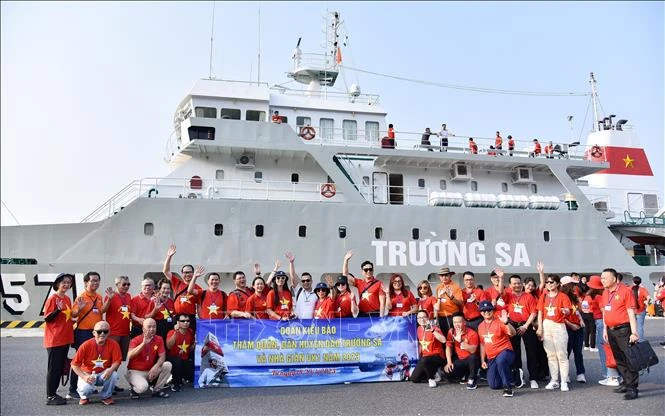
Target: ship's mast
{"x": 594, "y": 102}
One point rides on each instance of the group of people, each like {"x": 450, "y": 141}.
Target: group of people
{"x": 462, "y": 330}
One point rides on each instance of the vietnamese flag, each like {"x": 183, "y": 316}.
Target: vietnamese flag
{"x": 623, "y": 160}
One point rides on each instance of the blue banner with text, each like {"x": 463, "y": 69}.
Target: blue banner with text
{"x": 248, "y": 352}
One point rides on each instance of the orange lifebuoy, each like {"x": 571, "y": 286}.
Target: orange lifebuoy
{"x": 307, "y": 133}
{"x": 328, "y": 190}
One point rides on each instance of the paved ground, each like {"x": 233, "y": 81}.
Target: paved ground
{"x": 23, "y": 365}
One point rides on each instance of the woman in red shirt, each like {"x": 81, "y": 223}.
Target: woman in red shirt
{"x": 641, "y": 298}
{"x": 426, "y": 299}
{"x": 345, "y": 304}
{"x": 542, "y": 370}
{"x": 280, "y": 301}
{"x": 553, "y": 308}
{"x": 257, "y": 303}
{"x": 400, "y": 302}
{"x": 574, "y": 327}
{"x": 323, "y": 308}
{"x": 430, "y": 345}
{"x": 58, "y": 335}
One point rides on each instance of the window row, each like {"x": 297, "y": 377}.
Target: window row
{"x": 230, "y": 113}
{"x": 259, "y": 231}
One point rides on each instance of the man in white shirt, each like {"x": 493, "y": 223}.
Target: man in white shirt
{"x": 304, "y": 298}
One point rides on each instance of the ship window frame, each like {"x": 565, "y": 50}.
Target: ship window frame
{"x": 546, "y": 236}
{"x": 474, "y": 186}
{"x": 302, "y": 121}
{"x": 443, "y": 185}
{"x": 219, "y": 174}
{"x": 255, "y": 115}
{"x": 421, "y": 183}
{"x": 378, "y": 233}
{"x": 258, "y": 176}
{"x": 372, "y": 131}
{"x": 366, "y": 180}
{"x": 205, "y": 112}
{"x": 481, "y": 234}
{"x": 349, "y": 130}
{"x": 295, "y": 178}
{"x": 504, "y": 186}
{"x": 534, "y": 188}
{"x": 341, "y": 231}
{"x": 218, "y": 229}
{"x": 148, "y": 229}
{"x": 302, "y": 231}
{"x": 453, "y": 234}
{"x": 327, "y": 132}
{"x": 259, "y": 230}
{"x": 230, "y": 113}
{"x": 415, "y": 233}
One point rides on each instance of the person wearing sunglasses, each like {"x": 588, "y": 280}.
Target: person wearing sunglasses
{"x": 280, "y": 300}
{"x": 426, "y": 300}
{"x": 185, "y": 300}
{"x": 58, "y": 335}
{"x": 180, "y": 346}
{"x": 96, "y": 362}
{"x": 147, "y": 363}
{"x": 118, "y": 314}
{"x": 345, "y": 304}
{"x": 323, "y": 309}
{"x": 496, "y": 351}
{"x": 553, "y": 308}
{"x": 449, "y": 299}
{"x": 370, "y": 289}
{"x": 303, "y": 290}
{"x": 400, "y": 301}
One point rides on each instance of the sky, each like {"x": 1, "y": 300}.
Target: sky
{"x": 88, "y": 90}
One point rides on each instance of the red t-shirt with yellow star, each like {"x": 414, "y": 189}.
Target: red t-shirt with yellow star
{"x": 616, "y": 304}
{"x": 470, "y": 306}
{"x": 212, "y": 305}
{"x": 59, "y": 331}
{"x": 428, "y": 345}
{"x": 500, "y": 301}
{"x": 495, "y": 337}
{"x": 145, "y": 359}
{"x": 118, "y": 314}
{"x": 94, "y": 358}
{"x": 166, "y": 311}
{"x": 237, "y": 299}
{"x": 283, "y": 306}
{"x": 257, "y": 306}
{"x": 400, "y": 303}
{"x": 551, "y": 306}
{"x": 342, "y": 305}
{"x": 369, "y": 299}
{"x": 141, "y": 306}
{"x": 184, "y": 343}
{"x": 468, "y": 335}
{"x": 521, "y": 306}
{"x": 185, "y": 302}
{"x": 323, "y": 309}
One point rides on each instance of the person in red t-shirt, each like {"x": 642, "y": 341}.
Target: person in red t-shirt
{"x": 553, "y": 308}
{"x": 96, "y": 362}
{"x": 430, "y": 346}
{"x": 147, "y": 362}
{"x": 141, "y": 306}
{"x": 185, "y": 299}
{"x": 473, "y": 147}
{"x": 370, "y": 289}
{"x": 574, "y": 327}
{"x": 496, "y": 352}
{"x": 118, "y": 314}
{"x": 400, "y": 301}
{"x": 472, "y": 295}
{"x": 235, "y": 302}
{"x": 163, "y": 309}
{"x": 323, "y": 308}
{"x": 257, "y": 303}
{"x": 498, "y": 141}
{"x": 213, "y": 300}
{"x": 620, "y": 328}
{"x": 511, "y": 145}
{"x": 426, "y": 299}
{"x": 463, "y": 342}
{"x": 280, "y": 300}
{"x": 345, "y": 304}
{"x": 522, "y": 313}
{"x": 536, "y": 149}
{"x": 58, "y": 335}
{"x": 641, "y": 295}
{"x": 497, "y": 293}
{"x": 180, "y": 346}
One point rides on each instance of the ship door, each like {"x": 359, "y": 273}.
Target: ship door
{"x": 396, "y": 188}
{"x": 380, "y": 187}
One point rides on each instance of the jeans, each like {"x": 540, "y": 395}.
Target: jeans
{"x": 85, "y": 389}
{"x": 555, "y": 341}
{"x": 498, "y": 370}
{"x": 604, "y": 370}
{"x": 575, "y": 343}
{"x": 640, "y": 323}
{"x": 80, "y": 336}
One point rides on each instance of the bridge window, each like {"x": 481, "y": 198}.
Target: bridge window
{"x": 13, "y": 260}
{"x": 206, "y": 112}
{"x": 254, "y": 115}
{"x": 302, "y": 231}
{"x": 303, "y": 121}
{"x": 230, "y": 113}
{"x": 148, "y": 228}
{"x": 350, "y": 129}
{"x": 201, "y": 133}
{"x": 372, "y": 131}
{"x": 219, "y": 229}
{"x": 258, "y": 230}
{"x": 327, "y": 127}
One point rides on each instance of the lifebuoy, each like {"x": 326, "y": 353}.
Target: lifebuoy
{"x": 307, "y": 133}
{"x": 596, "y": 152}
{"x": 328, "y": 190}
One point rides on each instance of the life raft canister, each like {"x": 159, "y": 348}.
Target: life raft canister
{"x": 328, "y": 190}
{"x": 307, "y": 133}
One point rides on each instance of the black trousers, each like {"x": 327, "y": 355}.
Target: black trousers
{"x": 181, "y": 369}
{"x": 56, "y": 365}
{"x": 467, "y": 367}
{"x": 163, "y": 327}
{"x": 80, "y": 336}
{"x": 618, "y": 339}
{"x": 536, "y": 359}
{"x": 426, "y": 368}
{"x": 445, "y": 323}
{"x": 589, "y": 330}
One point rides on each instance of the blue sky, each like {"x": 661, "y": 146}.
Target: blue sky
{"x": 89, "y": 89}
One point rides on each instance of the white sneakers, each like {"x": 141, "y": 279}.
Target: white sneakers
{"x": 593, "y": 349}
{"x": 609, "y": 381}
{"x": 564, "y": 387}
{"x": 534, "y": 384}
{"x": 552, "y": 385}
{"x": 581, "y": 378}
{"x": 432, "y": 382}
{"x": 586, "y": 348}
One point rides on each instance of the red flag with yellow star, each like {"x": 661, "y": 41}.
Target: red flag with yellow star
{"x": 623, "y": 160}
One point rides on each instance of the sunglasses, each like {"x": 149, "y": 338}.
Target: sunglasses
{"x": 306, "y": 280}
{"x": 423, "y": 288}
{"x": 370, "y": 269}
{"x": 102, "y": 331}
{"x": 186, "y": 321}
{"x": 126, "y": 284}
{"x": 340, "y": 284}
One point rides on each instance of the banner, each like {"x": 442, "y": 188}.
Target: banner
{"x": 248, "y": 352}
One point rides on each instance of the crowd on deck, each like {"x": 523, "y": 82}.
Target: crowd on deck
{"x": 465, "y": 333}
